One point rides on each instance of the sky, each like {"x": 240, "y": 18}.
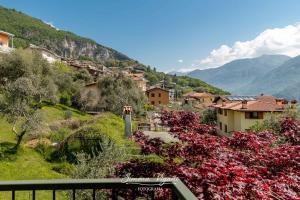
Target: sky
{"x": 177, "y": 34}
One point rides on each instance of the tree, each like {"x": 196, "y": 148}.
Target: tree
{"x": 117, "y": 91}
{"x": 27, "y": 83}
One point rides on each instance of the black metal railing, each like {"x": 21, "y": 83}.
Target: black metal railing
{"x": 179, "y": 190}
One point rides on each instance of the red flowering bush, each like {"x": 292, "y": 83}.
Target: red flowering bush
{"x": 244, "y": 166}
{"x": 290, "y": 128}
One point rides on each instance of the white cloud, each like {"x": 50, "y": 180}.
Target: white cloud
{"x": 180, "y": 61}
{"x": 284, "y": 41}
{"x": 51, "y": 24}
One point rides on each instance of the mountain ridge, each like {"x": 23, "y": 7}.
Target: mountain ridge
{"x": 237, "y": 74}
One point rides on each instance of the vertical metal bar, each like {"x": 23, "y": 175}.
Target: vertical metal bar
{"x": 13, "y": 196}
{"x": 33, "y": 194}
{"x": 174, "y": 195}
{"x": 53, "y": 195}
{"x": 74, "y": 194}
{"x": 114, "y": 195}
{"x": 133, "y": 194}
{"x": 152, "y": 194}
{"x": 94, "y": 194}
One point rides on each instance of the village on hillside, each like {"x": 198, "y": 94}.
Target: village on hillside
{"x": 135, "y": 138}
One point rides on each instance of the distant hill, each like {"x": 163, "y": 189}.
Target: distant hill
{"x": 238, "y": 75}
{"x": 31, "y": 30}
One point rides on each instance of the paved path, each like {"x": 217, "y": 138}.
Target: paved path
{"x": 165, "y": 136}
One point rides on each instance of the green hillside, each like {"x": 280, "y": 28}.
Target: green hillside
{"x": 29, "y": 164}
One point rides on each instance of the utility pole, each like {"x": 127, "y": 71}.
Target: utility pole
{"x": 127, "y": 110}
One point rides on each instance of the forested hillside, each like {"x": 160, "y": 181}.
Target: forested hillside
{"x": 31, "y": 30}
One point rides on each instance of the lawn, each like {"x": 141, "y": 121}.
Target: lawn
{"x": 28, "y": 164}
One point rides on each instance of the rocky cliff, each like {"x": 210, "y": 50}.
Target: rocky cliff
{"x": 31, "y": 30}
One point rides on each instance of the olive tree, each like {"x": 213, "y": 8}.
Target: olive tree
{"x": 27, "y": 81}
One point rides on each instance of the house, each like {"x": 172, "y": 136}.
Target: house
{"x": 158, "y": 96}
{"x": 139, "y": 79}
{"x": 198, "y": 98}
{"x": 6, "y": 42}
{"x": 239, "y": 113}
{"x": 50, "y": 56}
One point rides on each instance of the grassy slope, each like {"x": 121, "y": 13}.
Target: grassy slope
{"x": 28, "y": 164}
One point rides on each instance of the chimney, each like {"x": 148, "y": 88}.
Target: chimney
{"x": 279, "y": 102}
{"x": 293, "y": 104}
{"x": 244, "y": 104}
{"x": 127, "y": 110}
{"x": 285, "y": 104}
{"x": 223, "y": 103}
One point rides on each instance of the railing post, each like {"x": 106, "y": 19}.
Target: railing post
{"x": 74, "y": 194}
{"x": 114, "y": 194}
{"x": 152, "y": 195}
{"x": 94, "y": 194}
{"x": 33, "y": 194}
{"x": 174, "y": 195}
{"x": 53, "y": 195}
{"x": 13, "y": 195}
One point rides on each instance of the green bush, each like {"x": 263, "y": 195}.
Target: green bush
{"x": 209, "y": 116}
{"x": 64, "y": 168}
{"x": 59, "y": 135}
{"x": 65, "y": 99}
{"x": 68, "y": 114}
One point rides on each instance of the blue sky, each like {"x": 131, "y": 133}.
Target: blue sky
{"x": 166, "y": 34}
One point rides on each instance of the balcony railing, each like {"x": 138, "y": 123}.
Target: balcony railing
{"x": 179, "y": 190}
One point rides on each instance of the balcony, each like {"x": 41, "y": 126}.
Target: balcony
{"x": 5, "y": 49}
{"x": 178, "y": 190}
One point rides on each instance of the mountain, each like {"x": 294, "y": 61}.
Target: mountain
{"x": 283, "y": 81}
{"x": 235, "y": 76}
{"x": 31, "y": 30}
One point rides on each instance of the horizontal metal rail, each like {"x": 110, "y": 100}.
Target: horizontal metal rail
{"x": 179, "y": 190}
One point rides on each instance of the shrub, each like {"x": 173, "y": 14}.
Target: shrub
{"x": 59, "y": 135}
{"x": 209, "y": 116}
{"x": 65, "y": 99}
{"x": 64, "y": 168}
{"x": 68, "y": 114}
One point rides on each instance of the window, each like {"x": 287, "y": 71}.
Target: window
{"x": 1, "y": 43}
{"x": 225, "y": 112}
{"x": 254, "y": 115}
{"x": 152, "y": 95}
{"x": 220, "y": 111}
{"x": 152, "y": 102}
{"x": 220, "y": 125}
{"x": 159, "y": 94}
{"x": 159, "y": 102}
{"x": 225, "y": 128}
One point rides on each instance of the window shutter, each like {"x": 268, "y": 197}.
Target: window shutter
{"x": 260, "y": 115}
{"x": 247, "y": 115}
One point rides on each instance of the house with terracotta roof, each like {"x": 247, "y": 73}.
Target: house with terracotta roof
{"x": 198, "y": 98}
{"x": 139, "y": 79}
{"x": 158, "y": 96}
{"x": 6, "y": 42}
{"x": 239, "y": 113}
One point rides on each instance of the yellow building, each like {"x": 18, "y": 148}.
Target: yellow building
{"x": 239, "y": 113}
{"x": 198, "y": 98}
{"x": 158, "y": 96}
